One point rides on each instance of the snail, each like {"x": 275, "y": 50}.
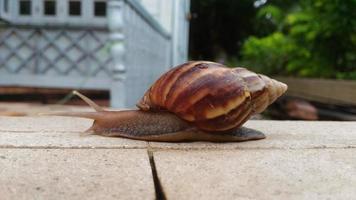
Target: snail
{"x": 195, "y": 101}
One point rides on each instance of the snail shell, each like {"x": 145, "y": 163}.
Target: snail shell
{"x": 212, "y": 96}
{"x": 202, "y": 98}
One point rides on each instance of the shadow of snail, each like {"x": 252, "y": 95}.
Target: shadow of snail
{"x": 195, "y": 101}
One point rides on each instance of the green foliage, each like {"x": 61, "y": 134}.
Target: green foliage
{"x": 268, "y": 54}
{"x": 315, "y": 38}
{"x": 270, "y": 18}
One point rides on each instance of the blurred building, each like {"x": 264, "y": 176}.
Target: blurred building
{"x": 116, "y": 45}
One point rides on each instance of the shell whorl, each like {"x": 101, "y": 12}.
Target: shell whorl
{"x": 210, "y": 95}
{"x": 264, "y": 90}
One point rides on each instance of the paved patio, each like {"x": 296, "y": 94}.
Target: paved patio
{"x": 47, "y": 158}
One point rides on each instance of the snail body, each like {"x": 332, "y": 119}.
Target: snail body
{"x": 195, "y": 101}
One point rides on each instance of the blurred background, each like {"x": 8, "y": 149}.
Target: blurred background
{"x": 113, "y": 50}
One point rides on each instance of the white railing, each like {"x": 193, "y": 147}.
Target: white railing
{"x": 125, "y": 57}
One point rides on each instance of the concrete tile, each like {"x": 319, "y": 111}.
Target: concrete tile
{"x": 64, "y": 140}
{"x": 258, "y": 174}
{"x": 285, "y": 135}
{"x": 33, "y": 109}
{"x": 75, "y": 174}
{"x": 44, "y": 123}
{"x": 56, "y": 132}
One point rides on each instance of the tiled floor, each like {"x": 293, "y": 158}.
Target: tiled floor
{"x": 48, "y": 158}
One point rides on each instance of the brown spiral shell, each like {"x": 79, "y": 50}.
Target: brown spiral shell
{"x": 210, "y": 95}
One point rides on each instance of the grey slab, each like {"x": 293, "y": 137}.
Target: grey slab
{"x": 284, "y": 135}
{"x": 258, "y": 174}
{"x": 75, "y": 174}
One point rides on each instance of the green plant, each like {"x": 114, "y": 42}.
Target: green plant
{"x": 313, "y": 38}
